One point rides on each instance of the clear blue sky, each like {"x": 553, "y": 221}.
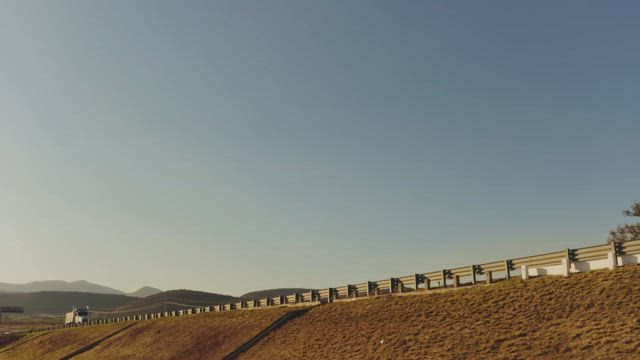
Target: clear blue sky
{"x": 233, "y": 146}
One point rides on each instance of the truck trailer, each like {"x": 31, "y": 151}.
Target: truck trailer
{"x": 78, "y": 316}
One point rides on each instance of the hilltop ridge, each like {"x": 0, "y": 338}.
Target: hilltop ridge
{"x": 273, "y": 292}
{"x": 72, "y": 286}
{"x": 173, "y": 300}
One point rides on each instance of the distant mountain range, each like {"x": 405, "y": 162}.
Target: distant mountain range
{"x": 75, "y": 286}
{"x": 55, "y": 297}
{"x": 105, "y": 305}
{"x": 105, "y": 301}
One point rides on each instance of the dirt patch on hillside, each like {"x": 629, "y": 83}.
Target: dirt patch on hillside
{"x": 593, "y": 315}
{"x": 202, "y": 336}
{"x": 8, "y": 339}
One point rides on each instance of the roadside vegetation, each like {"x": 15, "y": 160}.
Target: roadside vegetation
{"x": 627, "y": 232}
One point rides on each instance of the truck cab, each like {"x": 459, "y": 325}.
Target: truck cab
{"x": 78, "y": 316}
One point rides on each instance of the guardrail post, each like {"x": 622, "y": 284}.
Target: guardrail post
{"x": 427, "y": 284}
{"x": 315, "y": 296}
{"x": 473, "y": 274}
{"x": 417, "y": 280}
{"x": 525, "y": 272}
{"x": 333, "y": 294}
{"x": 566, "y": 263}
{"x": 456, "y": 281}
{"x": 372, "y": 288}
{"x": 489, "y": 277}
{"x": 351, "y": 291}
{"x": 444, "y": 278}
{"x": 612, "y": 256}
{"x": 507, "y": 269}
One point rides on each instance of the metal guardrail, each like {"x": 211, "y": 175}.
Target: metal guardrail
{"x": 443, "y": 279}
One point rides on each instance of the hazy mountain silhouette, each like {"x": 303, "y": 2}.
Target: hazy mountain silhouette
{"x": 74, "y": 286}
{"x": 145, "y": 291}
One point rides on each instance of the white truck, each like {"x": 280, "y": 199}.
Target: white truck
{"x": 77, "y": 316}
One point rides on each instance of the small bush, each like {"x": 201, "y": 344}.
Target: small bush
{"x": 628, "y": 232}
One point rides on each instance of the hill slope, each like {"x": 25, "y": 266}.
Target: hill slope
{"x": 60, "y": 302}
{"x": 174, "y": 299}
{"x": 56, "y": 344}
{"x": 593, "y": 315}
{"x": 273, "y": 292}
{"x": 202, "y": 336}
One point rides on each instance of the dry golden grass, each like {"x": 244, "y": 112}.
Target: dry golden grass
{"x": 208, "y": 335}
{"x": 55, "y": 344}
{"x": 202, "y": 336}
{"x": 592, "y": 315}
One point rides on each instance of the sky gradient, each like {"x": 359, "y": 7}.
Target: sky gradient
{"x": 241, "y": 145}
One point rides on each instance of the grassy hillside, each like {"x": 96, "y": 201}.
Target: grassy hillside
{"x": 261, "y": 294}
{"x": 172, "y": 300}
{"x": 55, "y": 344}
{"x": 202, "y": 336}
{"x": 60, "y": 302}
{"x": 592, "y": 315}
{"x": 14, "y": 323}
